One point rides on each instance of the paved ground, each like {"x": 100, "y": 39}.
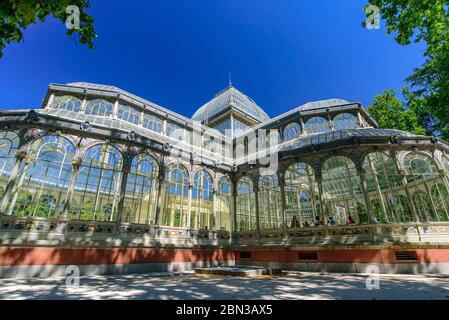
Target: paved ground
{"x": 189, "y": 286}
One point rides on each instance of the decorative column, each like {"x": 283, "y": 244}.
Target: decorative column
{"x": 214, "y": 210}
{"x": 17, "y": 187}
{"x": 125, "y": 171}
{"x": 256, "y": 199}
{"x": 189, "y": 209}
{"x": 159, "y": 195}
{"x": 409, "y": 195}
{"x": 319, "y": 181}
{"x": 298, "y": 204}
{"x": 234, "y": 205}
{"x": 363, "y": 184}
{"x": 75, "y": 170}
{"x": 11, "y": 182}
{"x": 282, "y": 194}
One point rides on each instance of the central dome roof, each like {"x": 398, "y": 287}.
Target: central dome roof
{"x": 230, "y": 97}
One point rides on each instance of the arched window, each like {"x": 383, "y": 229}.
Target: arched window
{"x": 342, "y": 193}
{"x": 67, "y": 103}
{"x": 9, "y": 142}
{"x": 418, "y": 166}
{"x": 201, "y": 214}
{"x": 42, "y": 186}
{"x": 224, "y": 204}
{"x": 152, "y": 123}
{"x": 291, "y": 131}
{"x": 317, "y": 125}
{"x": 98, "y": 107}
{"x": 422, "y": 176}
{"x": 383, "y": 182}
{"x": 246, "y": 211}
{"x": 97, "y": 187}
{"x": 141, "y": 191}
{"x": 269, "y": 202}
{"x": 176, "y": 197}
{"x": 345, "y": 121}
{"x": 128, "y": 114}
{"x": 301, "y": 195}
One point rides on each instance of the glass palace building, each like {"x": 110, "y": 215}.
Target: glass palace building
{"x": 111, "y": 182}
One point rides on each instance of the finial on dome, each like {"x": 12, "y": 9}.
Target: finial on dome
{"x": 230, "y": 79}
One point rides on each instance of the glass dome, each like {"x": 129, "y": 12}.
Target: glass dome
{"x": 230, "y": 97}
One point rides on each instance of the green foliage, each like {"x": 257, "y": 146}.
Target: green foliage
{"x": 23, "y": 204}
{"x": 424, "y": 21}
{"x": 17, "y": 15}
{"x": 391, "y": 113}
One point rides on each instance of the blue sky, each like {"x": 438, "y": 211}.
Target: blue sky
{"x": 179, "y": 53}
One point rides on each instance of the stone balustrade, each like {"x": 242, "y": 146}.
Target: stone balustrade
{"x": 434, "y": 233}
{"x": 48, "y": 231}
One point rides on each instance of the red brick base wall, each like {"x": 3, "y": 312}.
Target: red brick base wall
{"x": 49, "y": 261}
{"x": 380, "y": 256}
{"x": 13, "y": 256}
{"x": 10, "y": 256}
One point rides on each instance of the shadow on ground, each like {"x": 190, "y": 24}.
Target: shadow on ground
{"x": 189, "y": 286}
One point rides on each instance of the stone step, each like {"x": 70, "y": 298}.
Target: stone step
{"x": 246, "y": 271}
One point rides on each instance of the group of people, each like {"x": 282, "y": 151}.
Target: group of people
{"x": 317, "y": 223}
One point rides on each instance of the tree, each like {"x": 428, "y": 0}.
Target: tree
{"x": 17, "y": 15}
{"x": 391, "y": 113}
{"x": 424, "y": 21}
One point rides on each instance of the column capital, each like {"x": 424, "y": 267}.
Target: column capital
{"x": 76, "y": 163}
{"x": 21, "y": 154}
